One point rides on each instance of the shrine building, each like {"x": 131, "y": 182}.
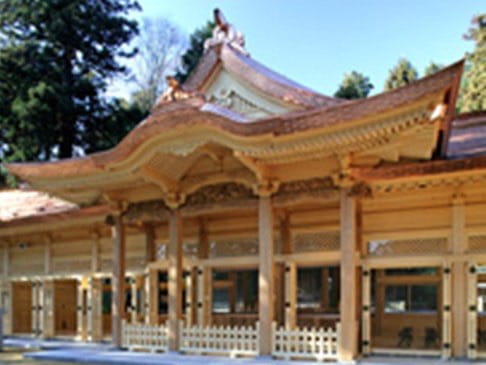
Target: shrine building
{"x": 248, "y": 215}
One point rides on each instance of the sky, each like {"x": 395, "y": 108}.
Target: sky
{"x": 315, "y": 42}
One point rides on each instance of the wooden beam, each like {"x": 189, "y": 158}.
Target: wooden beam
{"x": 348, "y": 347}
{"x": 174, "y": 255}
{"x": 118, "y": 280}
{"x": 266, "y": 273}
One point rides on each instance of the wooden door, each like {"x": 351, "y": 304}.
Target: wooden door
{"x": 65, "y": 307}
{"x": 22, "y": 307}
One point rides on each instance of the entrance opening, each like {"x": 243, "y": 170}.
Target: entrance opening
{"x": 235, "y": 297}
{"x": 405, "y": 310}
{"x": 22, "y": 307}
{"x": 65, "y": 307}
{"x": 318, "y": 293}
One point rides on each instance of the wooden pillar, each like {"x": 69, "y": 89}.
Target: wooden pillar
{"x": 6, "y": 304}
{"x": 204, "y": 280}
{"x": 35, "y": 308}
{"x": 118, "y": 279}
{"x": 174, "y": 254}
{"x": 6, "y": 261}
{"x": 472, "y": 311}
{"x": 82, "y": 331}
{"x": 95, "y": 253}
{"x": 48, "y": 256}
{"x": 446, "y": 311}
{"x": 348, "y": 344}
{"x": 265, "y": 274}
{"x": 95, "y": 310}
{"x": 153, "y": 297}
{"x": 459, "y": 278}
{"x": 150, "y": 245}
{"x": 366, "y": 312}
{"x": 191, "y": 300}
{"x": 290, "y": 295}
{"x": 48, "y": 309}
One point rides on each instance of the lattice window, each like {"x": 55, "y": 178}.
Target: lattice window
{"x": 161, "y": 251}
{"x": 318, "y": 241}
{"x": 68, "y": 266}
{"x": 234, "y": 247}
{"x": 477, "y": 243}
{"x": 190, "y": 249}
{"x": 414, "y": 246}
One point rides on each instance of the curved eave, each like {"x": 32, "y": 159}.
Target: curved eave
{"x": 182, "y": 121}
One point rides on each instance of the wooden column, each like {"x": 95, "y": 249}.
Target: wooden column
{"x": 472, "y": 313}
{"x": 150, "y": 244}
{"x": 118, "y": 279}
{"x": 366, "y": 312}
{"x": 204, "y": 280}
{"x": 6, "y": 261}
{"x": 82, "y": 332}
{"x": 446, "y": 311}
{"x": 290, "y": 295}
{"x": 95, "y": 310}
{"x": 265, "y": 274}
{"x": 95, "y": 253}
{"x": 152, "y": 285}
{"x": 348, "y": 346}
{"x": 459, "y": 280}
{"x": 48, "y": 256}
{"x": 174, "y": 255}
{"x": 48, "y": 309}
{"x": 6, "y": 304}
{"x": 35, "y": 308}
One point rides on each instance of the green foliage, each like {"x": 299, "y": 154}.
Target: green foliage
{"x": 55, "y": 58}
{"x": 354, "y": 86}
{"x": 432, "y": 68}
{"x": 196, "y": 49}
{"x": 472, "y": 95}
{"x": 400, "y": 75}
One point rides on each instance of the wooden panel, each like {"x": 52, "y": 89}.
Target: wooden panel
{"x": 27, "y": 260}
{"x": 65, "y": 304}
{"x": 22, "y": 307}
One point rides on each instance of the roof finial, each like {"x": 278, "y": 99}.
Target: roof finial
{"x": 174, "y": 92}
{"x": 225, "y": 33}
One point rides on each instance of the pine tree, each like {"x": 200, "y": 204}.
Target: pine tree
{"x": 472, "y": 95}
{"x": 196, "y": 49}
{"x": 400, "y": 75}
{"x": 55, "y": 59}
{"x": 354, "y": 86}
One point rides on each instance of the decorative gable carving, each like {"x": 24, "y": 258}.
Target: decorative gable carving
{"x": 230, "y": 99}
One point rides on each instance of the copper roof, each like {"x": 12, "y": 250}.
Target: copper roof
{"x": 257, "y": 75}
{"x": 468, "y": 135}
{"x": 189, "y": 114}
{"x": 20, "y": 204}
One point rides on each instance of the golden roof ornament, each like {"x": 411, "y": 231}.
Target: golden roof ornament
{"x": 175, "y": 91}
{"x": 225, "y": 33}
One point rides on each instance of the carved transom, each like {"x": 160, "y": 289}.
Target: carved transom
{"x": 319, "y": 241}
{"x": 234, "y": 247}
{"x": 220, "y": 193}
{"x": 477, "y": 243}
{"x": 416, "y": 246}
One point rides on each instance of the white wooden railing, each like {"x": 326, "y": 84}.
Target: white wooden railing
{"x": 145, "y": 337}
{"x": 317, "y": 344}
{"x": 229, "y": 340}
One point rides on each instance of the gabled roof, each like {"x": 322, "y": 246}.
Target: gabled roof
{"x": 468, "y": 135}
{"x": 187, "y": 119}
{"x": 257, "y": 75}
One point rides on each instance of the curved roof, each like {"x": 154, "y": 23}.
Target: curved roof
{"x": 194, "y": 116}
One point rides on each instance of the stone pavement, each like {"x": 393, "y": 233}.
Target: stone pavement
{"x": 102, "y": 353}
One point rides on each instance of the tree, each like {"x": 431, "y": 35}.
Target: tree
{"x": 196, "y": 49}
{"x": 432, "y": 68}
{"x": 400, "y": 75}
{"x": 160, "y": 45}
{"x": 472, "y": 95}
{"x": 354, "y": 86}
{"x": 55, "y": 59}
